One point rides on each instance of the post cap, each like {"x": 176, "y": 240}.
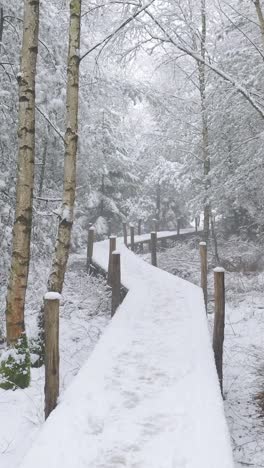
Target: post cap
{"x": 219, "y": 270}
{"x": 202, "y": 243}
{"x": 52, "y": 296}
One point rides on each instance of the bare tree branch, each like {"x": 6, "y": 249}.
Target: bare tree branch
{"x": 198, "y": 58}
{"x": 56, "y": 130}
{"x": 113, "y": 33}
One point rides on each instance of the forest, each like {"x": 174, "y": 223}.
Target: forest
{"x": 147, "y": 113}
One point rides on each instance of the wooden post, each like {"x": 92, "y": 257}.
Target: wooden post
{"x": 178, "y": 226}
{"x": 109, "y": 228}
{"x": 140, "y": 246}
{"x": 90, "y": 248}
{"x": 219, "y": 321}
{"x": 125, "y": 233}
{"x": 203, "y": 256}
{"x": 116, "y": 282}
{"x": 155, "y": 225}
{"x": 132, "y": 237}
{"x": 153, "y": 246}
{"x": 196, "y": 224}
{"x": 112, "y": 247}
{"x": 51, "y": 330}
{"x": 139, "y": 226}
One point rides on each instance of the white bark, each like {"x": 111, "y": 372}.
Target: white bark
{"x": 25, "y": 175}
{"x": 62, "y": 247}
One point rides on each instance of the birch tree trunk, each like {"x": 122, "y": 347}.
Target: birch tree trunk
{"x": 62, "y": 247}
{"x": 260, "y": 18}
{"x": 18, "y": 278}
{"x": 206, "y": 156}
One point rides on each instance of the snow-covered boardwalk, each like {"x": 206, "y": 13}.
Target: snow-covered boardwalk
{"x": 148, "y": 396}
{"x": 162, "y": 235}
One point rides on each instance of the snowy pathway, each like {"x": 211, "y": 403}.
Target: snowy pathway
{"x": 148, "y": 395}
{"x": 164, "y": 235}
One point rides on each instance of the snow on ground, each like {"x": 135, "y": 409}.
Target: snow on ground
{"x": 243, "y": 347}
{"x": 84, "y": 313}
{"x": 148, "y": 396}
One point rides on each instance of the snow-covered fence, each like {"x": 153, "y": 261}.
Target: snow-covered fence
{"x": 90, "y": 244}
{"x": 165, "y": 236}
{"x": 153, "y": 248}
{"x": 125, "y": 233}
{"x": 203, "y": 256}
{"x": 112, "y": 248}
{"x": 155, "y": 225}
{"x": 148, "y": 396}
{"x": 115, "y": 282}
{"x": 219, "y": 321}
{"x": 139, "y": 227}
{"x": 51, "y": 331}
{"x": 132, "y": 237}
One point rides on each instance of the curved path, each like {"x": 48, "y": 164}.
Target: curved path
{"x": 148, "y": 396}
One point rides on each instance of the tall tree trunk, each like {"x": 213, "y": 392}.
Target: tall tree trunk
{"x": 102, "y": 199}
{"x": 62, "y": 247}
{"x": 214, "y": 237}
{"x": 1, "y": 24}
{"x": 206, "y": 156}
{"x": 18, "y": 278}
{"x": 158, "y": 206}
{"x": 260, "y": 18}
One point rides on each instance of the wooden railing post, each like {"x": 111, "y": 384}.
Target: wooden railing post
{"x": 132, "y": 237}
{"x": 139, "y": 226}
{"x": 196, "y": 224}
{"x": 125, "y": 233}
{"x": 109, "y": 228}
{"x": 116, "y": 282}
{"x": 178, "y": 226}
{"x": 153, "y": 246}
{"x": 90, "y": 248}
{"x": 112, "y": 247}
{"x": 155, "y": 225}
{"x": 52, "y": 359}
{"x": 219, "y": 321}
{"x": 203, "y": 256}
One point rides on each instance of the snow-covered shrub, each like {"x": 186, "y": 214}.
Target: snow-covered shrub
{"x": 15, "y": 366}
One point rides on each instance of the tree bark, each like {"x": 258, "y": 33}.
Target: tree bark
{"x": 206, "y": 156}
{"x": 158, "y": 206}
{"x": 18, "y": 277}
{"x": 102, "y": 199}
{"x": 1, "y": 24}
{"x": 62, "y": 247}
{"x": 260, "y": 18}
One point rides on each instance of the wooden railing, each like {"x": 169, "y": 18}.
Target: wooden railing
{"x": 113, "y": 275}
